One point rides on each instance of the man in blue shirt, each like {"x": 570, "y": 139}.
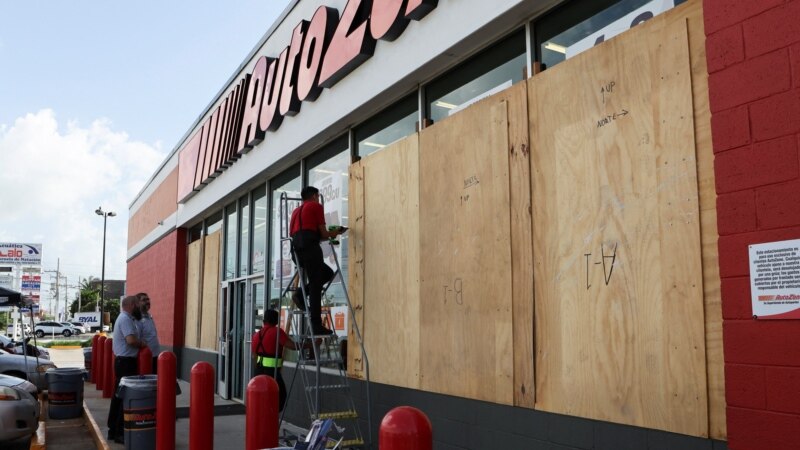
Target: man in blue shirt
{"x": 126, "y": 344}
{"x": 148, "y": 327}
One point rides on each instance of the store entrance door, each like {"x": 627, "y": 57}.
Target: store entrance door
{"x": 231, "y": 359}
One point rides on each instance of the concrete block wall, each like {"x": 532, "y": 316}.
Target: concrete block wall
{"x": 753, "y": 51}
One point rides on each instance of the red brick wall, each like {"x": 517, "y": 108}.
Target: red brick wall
{"x": 161, "y": 272}
{"x": 753, "y": 49}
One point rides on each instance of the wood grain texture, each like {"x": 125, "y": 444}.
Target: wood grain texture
{"x": 391, "y": 253}
{"x": 619, "y": 301}
{"x": 209, "y": 308}
{"x": 465, "y": 256}
{"x": 355, "y": 284}
{"x": 193, "y": 289}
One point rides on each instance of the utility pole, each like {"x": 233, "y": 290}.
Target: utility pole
{"x": 66, "y": 293}
{"x": 58, "y": 278}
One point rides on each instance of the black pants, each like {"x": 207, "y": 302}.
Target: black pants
{"x": 318, "y": 274}
{"x": 276, "y": 374}
{"x": 123, "y": 367}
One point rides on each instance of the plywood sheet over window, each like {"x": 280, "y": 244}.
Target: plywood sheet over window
{"x": 355, "y": 358}
{"x": 193, "y": 280}
{"x": 465, "y": 256}
{"x": 391, "y": 250}
{"x": 619, "y": 288}
{"x": 210, "y": 297}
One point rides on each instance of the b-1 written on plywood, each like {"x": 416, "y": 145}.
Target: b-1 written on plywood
{"x": 619, "y": 294}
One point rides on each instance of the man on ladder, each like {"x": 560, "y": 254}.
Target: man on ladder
{"x": 307, "y": 228}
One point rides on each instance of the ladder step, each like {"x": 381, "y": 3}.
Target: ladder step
{"x": 345, "y": 444}
{"x": 336, "y": 415}
{"x": 322, "y": 361}
{"x": 328, "y": 387}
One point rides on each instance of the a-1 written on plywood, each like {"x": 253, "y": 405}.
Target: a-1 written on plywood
{"x": 355, "y": 275}
{"x": 193, "y": 289}
{"x": 391, "y": 273}
{"x": 619, "y": 295}
{"x": 465, "y": 256}
{"x": 210, "y": 305}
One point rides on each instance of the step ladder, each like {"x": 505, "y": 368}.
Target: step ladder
{"x": 331, "y": 399}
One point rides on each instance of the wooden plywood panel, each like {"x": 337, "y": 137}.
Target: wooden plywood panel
{"x": 210, "y": 298}
{"x": 355, "y": 285}
{"x": 619, "y": 300}
{"x": 391, "y": 255}
{"x": 465, "y": 256}
{"x": 193, "y": 293}
{"x": 692, "y": 12}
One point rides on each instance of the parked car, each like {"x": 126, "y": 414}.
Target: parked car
{"x": 80, "y": 327}
{"x": 26, "y": 367}
{"x": 75, "y": 330}
{"x": 16, "y": 348}
{"x": 20, "y": 327}
{"x": 44, "y": 328}
{"x": 19, "y": 408}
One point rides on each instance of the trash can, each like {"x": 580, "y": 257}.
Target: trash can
{"x": 64, "y": 393}
{"x": 138, "y": 394}
{"x": 87, "y": 363}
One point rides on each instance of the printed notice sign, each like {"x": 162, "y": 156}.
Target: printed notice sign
{"x": 775, "y": 280}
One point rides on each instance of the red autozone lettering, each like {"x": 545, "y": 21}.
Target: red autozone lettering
{"x": 143, "y": 419}
{"x": 63, "y": 398}
{"x": 320, "y": 54}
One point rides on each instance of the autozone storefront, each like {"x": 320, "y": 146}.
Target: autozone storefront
{"x": 551, "y": 207}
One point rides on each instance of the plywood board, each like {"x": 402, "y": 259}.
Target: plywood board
{"x": 193, "y": 281}
{"x": 617, "y": 263}
{"x": 391, "y": 272}
{"x": 209, "y": 328}
{"x": 465, "y": 256}
{"x": 355, "y": 285}
{"x": 692, "y": 12}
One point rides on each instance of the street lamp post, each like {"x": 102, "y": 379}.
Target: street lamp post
{"x": 106, "y": 214}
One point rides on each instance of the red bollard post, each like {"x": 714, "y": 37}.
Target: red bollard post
{"x": 405, "y": 428}
{"x": 201, "y": 407}
{"x": 145, "y": 361}
{"x": 108, "y": 372}
{"x": 100, "y": 364}
{"x": 93, "y": 368}
{"x": 165, "y": 403}
{"x": 261, "y": 425}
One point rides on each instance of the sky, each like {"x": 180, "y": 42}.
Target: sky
{"x": 93, "y": 97}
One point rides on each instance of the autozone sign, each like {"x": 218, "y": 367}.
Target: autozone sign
{"x": 322, "y": 51}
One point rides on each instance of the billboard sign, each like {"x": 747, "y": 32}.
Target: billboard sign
{"x": 20, "y": 254}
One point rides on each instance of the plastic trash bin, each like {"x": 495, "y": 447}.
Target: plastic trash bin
{"x": 64, "y": 393}
{"x": 87, "y": 363}
{"x": 138, "y": 394}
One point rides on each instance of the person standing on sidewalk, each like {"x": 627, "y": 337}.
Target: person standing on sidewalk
{"x": 264, "y": 344}
{"x": 149, "y": 332}
{"x": 126, "y": 344}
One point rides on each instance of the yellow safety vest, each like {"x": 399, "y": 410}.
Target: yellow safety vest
{"x": 267, "y": 361}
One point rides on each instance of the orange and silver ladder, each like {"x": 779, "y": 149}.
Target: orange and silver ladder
{"x": 319, "y": 355}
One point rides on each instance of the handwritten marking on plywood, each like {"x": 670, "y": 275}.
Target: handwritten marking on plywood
{"x": 619, "y": 301}
{"x": 355, "y": 242}
{"x": 465, "y": 256}
{"x": 210, "y": 304}
{"x": 391, "y": 252}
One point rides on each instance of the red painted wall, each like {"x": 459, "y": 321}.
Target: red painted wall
{"x": 161, "y": 272}
{"x": 753, "y": 49}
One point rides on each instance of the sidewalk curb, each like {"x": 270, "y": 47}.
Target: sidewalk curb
{"x": 38, "y": 441}
{"x": 97, "y": 436}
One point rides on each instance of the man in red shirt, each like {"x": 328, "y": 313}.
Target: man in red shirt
{"x": 267, "y": 360}
{"x": 307, "y": 228}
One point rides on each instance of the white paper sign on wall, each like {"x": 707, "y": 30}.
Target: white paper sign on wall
{"x": 775, "y": 280}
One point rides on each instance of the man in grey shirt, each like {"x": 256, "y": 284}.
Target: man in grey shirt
{"x": 148, "y": 327}
{"x": 126, "y": 344}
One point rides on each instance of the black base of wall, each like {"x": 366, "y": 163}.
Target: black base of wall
{"x": 464, "y": 424}
{"x": 188, "y": 357}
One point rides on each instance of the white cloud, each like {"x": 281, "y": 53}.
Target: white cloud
{"x": 52, "y": 180}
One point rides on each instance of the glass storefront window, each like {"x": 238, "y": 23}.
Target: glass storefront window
{"x": 390, "y": 125}
{"x": 281, "y": 268}
{"x": 231, "y": 229}
{"x": 328, "y": 172}
{"x": 579, "y": 26}
{"x": 244, "y": 235}
{"x": 195, "y": 232}
{"x": 259, "y": 228}
{"x": 214, "y": 223}
{"x": 487, "y": 73}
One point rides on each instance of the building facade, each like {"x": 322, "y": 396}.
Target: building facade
{"x": 551, "y": 207}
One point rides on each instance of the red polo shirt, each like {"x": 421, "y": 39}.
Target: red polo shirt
{"x": 267, "y": 335}
{"x": 313, "y": 215}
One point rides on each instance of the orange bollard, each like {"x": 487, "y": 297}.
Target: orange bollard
{"x": 145, "y": 361}
{"x": 108, "y": 372}
{"x": 201, "y": 407}
{"x": 405, "y": 428}
{"x": 261, "y": 426}
{"x": 100, "y": 364}
{"x": 93, "y": 368}
{"x": 165, "y": 403}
